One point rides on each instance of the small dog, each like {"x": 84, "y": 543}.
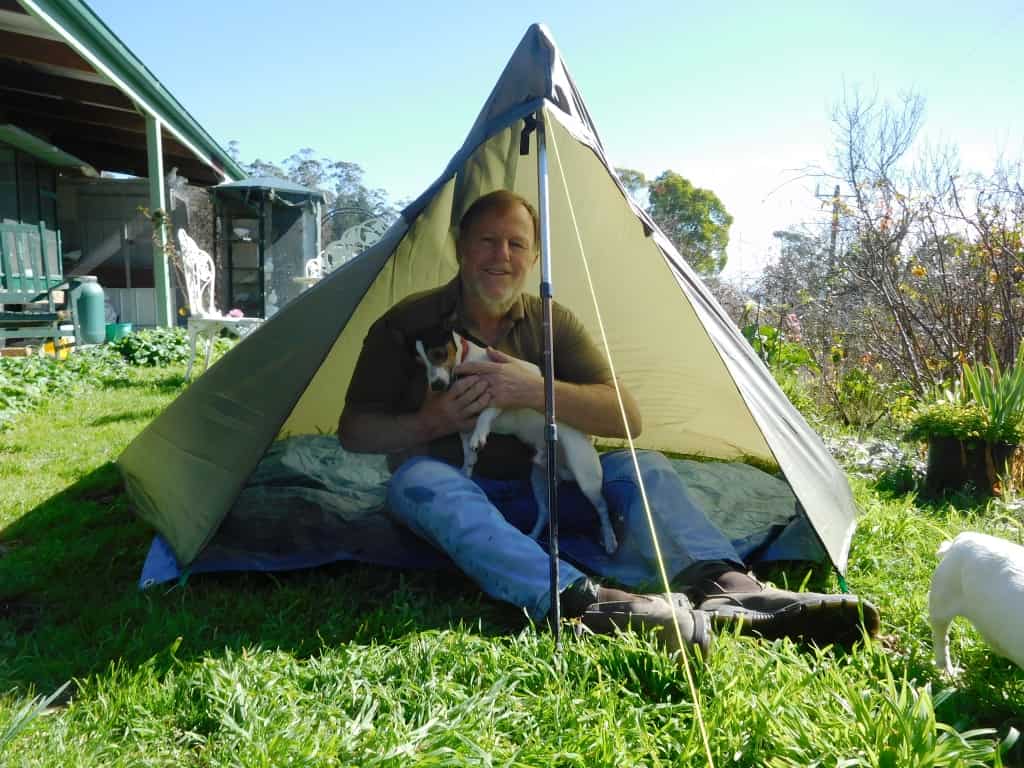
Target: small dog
{"x": 982, "y": 579}
{"x": 578, "y": 458}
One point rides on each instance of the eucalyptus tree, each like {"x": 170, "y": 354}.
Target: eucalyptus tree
{"x": 694, "y": 219}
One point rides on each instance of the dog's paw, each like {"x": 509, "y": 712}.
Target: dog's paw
{"x": 948, "y": 669}
{"x": 951, "y": 671}
{"x": 608, "y": 539}
{"x": 469, "y": 463}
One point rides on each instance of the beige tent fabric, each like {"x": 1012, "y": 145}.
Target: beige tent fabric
{"x": 686, "y": 395}
{"x": 424, "y": 258}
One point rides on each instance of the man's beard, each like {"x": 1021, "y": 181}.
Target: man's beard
{"x": 496, "y": 304}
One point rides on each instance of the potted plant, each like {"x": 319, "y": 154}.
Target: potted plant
{"x": 973, "y": 430}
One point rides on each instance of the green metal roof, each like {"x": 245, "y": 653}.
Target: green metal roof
{"x": 287, "y": 189}
{"x": 84, "y": 31}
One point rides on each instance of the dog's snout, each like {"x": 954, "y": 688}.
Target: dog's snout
{"x": 438, "y": 379}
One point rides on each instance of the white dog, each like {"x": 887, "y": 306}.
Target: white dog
{"x": 577, "y": 460}
{"x": 982, "y": 579}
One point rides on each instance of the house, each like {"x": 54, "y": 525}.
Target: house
{"x": 75, "y": 106}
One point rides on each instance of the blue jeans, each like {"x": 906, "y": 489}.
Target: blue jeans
{"x": 482, "y": 525}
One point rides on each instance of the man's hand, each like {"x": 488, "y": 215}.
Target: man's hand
{"x": 510, "y": 383}
{"x": 456, "y": 409}
{"x": 407, "y": 434}
{"x": 591, "y": 408}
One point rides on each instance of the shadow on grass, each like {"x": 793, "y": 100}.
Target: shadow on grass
{"x": 167, "y": 382}
{"x": 113, "y": 418}
{"x": 70, "y": 606}
{"x": 903, "y": 484}
{"x": 814, "y": 577}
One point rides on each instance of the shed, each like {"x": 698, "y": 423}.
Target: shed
{"x": 266, "y": 231}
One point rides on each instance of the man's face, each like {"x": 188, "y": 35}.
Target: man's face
{"x": 496, "y": 254}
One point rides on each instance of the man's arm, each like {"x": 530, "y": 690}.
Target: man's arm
{"x": 590, "y": 408}
{"x": 594, "y": 409}
{"x": 365, "y": 431}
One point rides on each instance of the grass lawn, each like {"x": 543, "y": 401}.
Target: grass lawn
{"x": 350, "y": 665}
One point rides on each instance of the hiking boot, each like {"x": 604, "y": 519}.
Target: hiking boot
{"x": 615, "y": 610}
{"x": 734, "y": 598}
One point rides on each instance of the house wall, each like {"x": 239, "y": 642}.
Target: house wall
{"x": 107, "y": 233}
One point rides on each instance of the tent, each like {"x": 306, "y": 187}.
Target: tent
{"x": 700, "y": 387}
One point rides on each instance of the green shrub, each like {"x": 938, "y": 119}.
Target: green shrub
{"x": 989, "y": 405}
{"x": 162, "y": 346}
{"x": 860, "y": 398}
{"x": 27, "y": 382}
{"x": 153, "y": 347}
{"x": 964, "y": 421}
{"x": 799, "y": 393}
{"x": 1001, "y": 394}
{"x": 778, "y": 353}
{"x": 99, "y": 364}
{"x": 789, "y": 363}
{"x": 899, "y": 481}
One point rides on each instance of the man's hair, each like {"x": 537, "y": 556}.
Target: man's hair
{"x": 499, "y": 200}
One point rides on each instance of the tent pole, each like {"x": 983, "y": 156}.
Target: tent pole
{"x": 551, "y": 429}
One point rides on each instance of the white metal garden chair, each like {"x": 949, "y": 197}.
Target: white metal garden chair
{"x": 204, "y": 318}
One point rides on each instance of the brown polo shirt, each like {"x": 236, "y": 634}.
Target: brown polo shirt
{"x": 388, "y": 378}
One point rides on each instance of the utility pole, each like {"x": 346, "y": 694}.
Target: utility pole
{"x": 830, "y": 275}
{"x": 836, "y": 199}
{"x": 835, "y": 226}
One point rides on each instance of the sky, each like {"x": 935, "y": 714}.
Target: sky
{"x": 736, "y": 97}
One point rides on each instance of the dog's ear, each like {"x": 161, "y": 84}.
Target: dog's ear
{"x": 433, "y": 337}
{"x": 460, "y": 347}
{"x": 417, "y": 342}
{"x": 421, "y": 354}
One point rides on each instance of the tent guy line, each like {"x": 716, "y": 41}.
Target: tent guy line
{"x": 698, "y": 709}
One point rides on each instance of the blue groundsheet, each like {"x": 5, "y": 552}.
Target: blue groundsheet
{"x": 309, "y": 503}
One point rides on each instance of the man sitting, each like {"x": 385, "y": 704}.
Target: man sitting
{"x": 481, "y": 523}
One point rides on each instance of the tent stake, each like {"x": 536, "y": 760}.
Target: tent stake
{"x": 551, "y": 429}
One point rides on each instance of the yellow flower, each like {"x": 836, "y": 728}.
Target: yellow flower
{"x": 993, "y": 276}
{"x": 918, "y": 271}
